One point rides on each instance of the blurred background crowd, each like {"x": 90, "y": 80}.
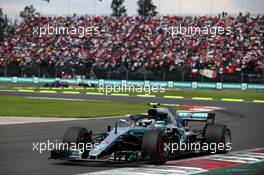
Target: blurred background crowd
{"x": 134, "y": 43}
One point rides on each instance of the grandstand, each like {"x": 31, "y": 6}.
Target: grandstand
{"x": 137, "y": 48}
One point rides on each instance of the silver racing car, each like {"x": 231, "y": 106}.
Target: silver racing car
{"x": 162, "y": 134}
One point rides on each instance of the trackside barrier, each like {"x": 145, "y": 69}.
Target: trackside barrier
{"x": 125, "y": 83}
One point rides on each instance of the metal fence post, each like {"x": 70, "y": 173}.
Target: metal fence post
{"x": 182, "y": 75}
{"x": 5, "y": 70}
{"x": 22, "y": 71}
{"x": 90, "y": 74}
{"x": 38, "y": 70}
{"x": 55, "y": 72}
{"x": 73, "y": 72}
{"x": 164, "y": 75}
{"x": 262, "y": 76}
{"x": 109, "y": 72}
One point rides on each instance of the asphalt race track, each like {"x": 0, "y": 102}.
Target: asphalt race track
{"x": 16, "y": 141}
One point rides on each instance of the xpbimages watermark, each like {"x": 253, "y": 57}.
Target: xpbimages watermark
{"x": 79, "y": 31}
{"x": 203, "y": 146}
{"x": 191, "y": 31}
{"x": 117, "y": 88}
{"x": 49, "y": 146}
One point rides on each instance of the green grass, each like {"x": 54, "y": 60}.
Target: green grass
{"x": 23, "y": 106}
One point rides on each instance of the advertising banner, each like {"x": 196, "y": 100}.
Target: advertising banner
{"x": 46, "y": 80}
{"x": 72, "y": 81}
{"x": 113, "y": 82}
{"x": 6, "y": 79}
{"x": 135, "y": 83}
{"x": 159, "y": 83}
{"x": 255, "y": 86}
{"x": 138, "y": 83}
{"x": 182, "y": 84}
{"x": 204, "y": 85}
{"x": 231, "y": 86}
{"x": 24, "y": 80}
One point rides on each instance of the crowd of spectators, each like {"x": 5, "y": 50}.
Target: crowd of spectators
{"x": 138, "y": 42}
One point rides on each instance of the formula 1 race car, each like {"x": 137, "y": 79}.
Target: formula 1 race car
{"x": 161, "y": 134}
{"x": 86, "y": 85}
{"x": 56, "y": 84}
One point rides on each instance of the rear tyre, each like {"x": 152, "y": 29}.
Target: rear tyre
{"x": 155, "y": 147}
{"x": 219, "y": 137}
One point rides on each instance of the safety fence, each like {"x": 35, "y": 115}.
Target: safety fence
{"x": 124, "y": 83}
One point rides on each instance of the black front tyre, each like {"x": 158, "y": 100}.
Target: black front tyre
{"x": 76, "y": 135}
{"x": 220, "y": 136}
{"x": 155, "y": 147}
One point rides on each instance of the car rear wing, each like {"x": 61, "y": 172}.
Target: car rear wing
{"x": 196, "y": 116}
